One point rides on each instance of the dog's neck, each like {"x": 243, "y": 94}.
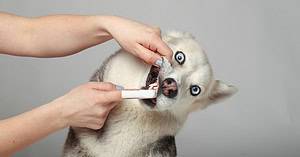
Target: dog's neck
{"x": 131, "y": 128}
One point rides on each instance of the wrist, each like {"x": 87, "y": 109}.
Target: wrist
{"x": 103, "y": 24}
{"x": 59, "y": 120}
{"x": 107, "y": 22}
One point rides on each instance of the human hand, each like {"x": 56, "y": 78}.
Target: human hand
{"x": 141, "y": 40}
{"x": 88, "y": 105}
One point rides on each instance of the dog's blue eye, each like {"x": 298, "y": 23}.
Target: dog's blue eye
{"x": 179, "y": 57}
{"x": 195, "y": 90}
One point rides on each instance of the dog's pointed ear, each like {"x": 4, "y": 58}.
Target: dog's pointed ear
{"x": 221, "y": 91}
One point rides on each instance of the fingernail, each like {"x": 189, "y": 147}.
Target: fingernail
{"x": 118, "y": 87}
{"x": 158, "y": 62}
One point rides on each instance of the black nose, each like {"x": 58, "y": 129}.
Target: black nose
{"x": 169, "y": 88}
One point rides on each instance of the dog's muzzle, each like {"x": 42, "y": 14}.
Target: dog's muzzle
{"x": 169, "y": 88}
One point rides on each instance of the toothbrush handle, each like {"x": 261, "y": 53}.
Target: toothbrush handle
{"x": 138, "y": 94}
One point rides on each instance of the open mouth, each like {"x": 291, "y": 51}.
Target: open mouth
{"x": 152, "y": 82}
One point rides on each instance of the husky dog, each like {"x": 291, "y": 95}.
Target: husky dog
{"x": 146, "y": 128}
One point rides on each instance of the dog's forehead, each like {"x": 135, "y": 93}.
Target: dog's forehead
{"x": 199, "y": 69}
{"x": 201, "y": 76}
{"x": 191, "y": 48}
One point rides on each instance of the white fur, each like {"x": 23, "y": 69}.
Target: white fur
{"x": 130, "y": 125}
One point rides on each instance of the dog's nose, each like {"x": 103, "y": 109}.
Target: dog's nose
{"x": 169, "y": 88}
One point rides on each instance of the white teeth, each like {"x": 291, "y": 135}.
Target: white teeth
{"x": 154, "y": 85}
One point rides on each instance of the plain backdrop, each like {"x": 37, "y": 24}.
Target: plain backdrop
{"x": 252, "y": 44}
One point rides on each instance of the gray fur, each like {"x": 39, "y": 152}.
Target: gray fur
{"x": 98, "y": 75}
{"x": 164, "y": 147}
{"x": 72, "y": 143}
{"x": 132, "y": 131}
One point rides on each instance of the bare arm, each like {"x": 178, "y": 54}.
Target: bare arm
{"x": 50, "y": 36}
{"x": 63, "y": 35}
{"x": 22, "y": 130}
{"x": 85, "y": 106}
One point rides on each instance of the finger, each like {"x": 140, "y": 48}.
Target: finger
{"x": 95, "y": 126}
{"x": 105, "y": 97}
{"x": 94, "y": 122}
{"x": 157, "y": 30}
{"x": 112, "y": 105}
{"x": 101, "y": 112}
{"x": 162, "y": 48}
{"x": 103, "y": 86}
{"x": 147, "y": 55}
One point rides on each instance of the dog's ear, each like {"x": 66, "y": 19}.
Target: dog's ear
{"x": 221, "y": 91}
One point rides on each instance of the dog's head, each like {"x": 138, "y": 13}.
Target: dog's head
{"x": 190, "y": 83}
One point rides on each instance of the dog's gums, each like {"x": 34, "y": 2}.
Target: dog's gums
{"x": 152, "y": 80}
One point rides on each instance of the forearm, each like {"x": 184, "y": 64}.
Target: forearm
{"x": 50, "y": 36}
{"x": 27, "y": 128}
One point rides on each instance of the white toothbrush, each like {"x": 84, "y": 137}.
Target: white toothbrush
{"x": 139, "y": 93}
{"x": 149, "y": 93}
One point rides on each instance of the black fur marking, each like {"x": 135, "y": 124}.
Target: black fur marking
{"x": 101, "y": 132}
{"x": 98, "y": 77}
{"x": 165, "y": 146}
{"x": 72, "y": 144}
{"x": 72, "y": 141}
{"x": 82, "y": 153}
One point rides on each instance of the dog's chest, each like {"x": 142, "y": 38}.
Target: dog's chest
{"x": 129, "y": 135}
{"x": 163, "y": 147}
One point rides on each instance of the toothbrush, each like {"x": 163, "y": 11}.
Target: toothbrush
{"x": 139, "y": 93}
{"x": 149, "y": 93}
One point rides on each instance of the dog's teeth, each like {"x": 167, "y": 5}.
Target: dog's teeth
{"x": 153, "y": 86}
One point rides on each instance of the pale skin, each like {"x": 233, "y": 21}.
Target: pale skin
{"x": 87, "y": 105}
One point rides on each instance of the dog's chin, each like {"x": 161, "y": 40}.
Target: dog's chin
{"x": 160, "y": 103}
{"x": 149, "y": 104}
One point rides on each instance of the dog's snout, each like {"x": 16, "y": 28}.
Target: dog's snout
{"x": 169, "y": 88}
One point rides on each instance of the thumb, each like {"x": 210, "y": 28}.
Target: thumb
{"x": 161, "y": 48}
{"x": 103, "y": 86}
{"x": 112, "y": 105}
{"x": 109, "y": 96}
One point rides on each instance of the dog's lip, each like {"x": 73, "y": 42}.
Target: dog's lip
{"x": 152, "y": 77}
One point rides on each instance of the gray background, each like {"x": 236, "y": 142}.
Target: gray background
{"x": 252, "y": 44}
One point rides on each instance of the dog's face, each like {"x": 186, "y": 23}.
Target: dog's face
{"x": 189, "y": 84}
